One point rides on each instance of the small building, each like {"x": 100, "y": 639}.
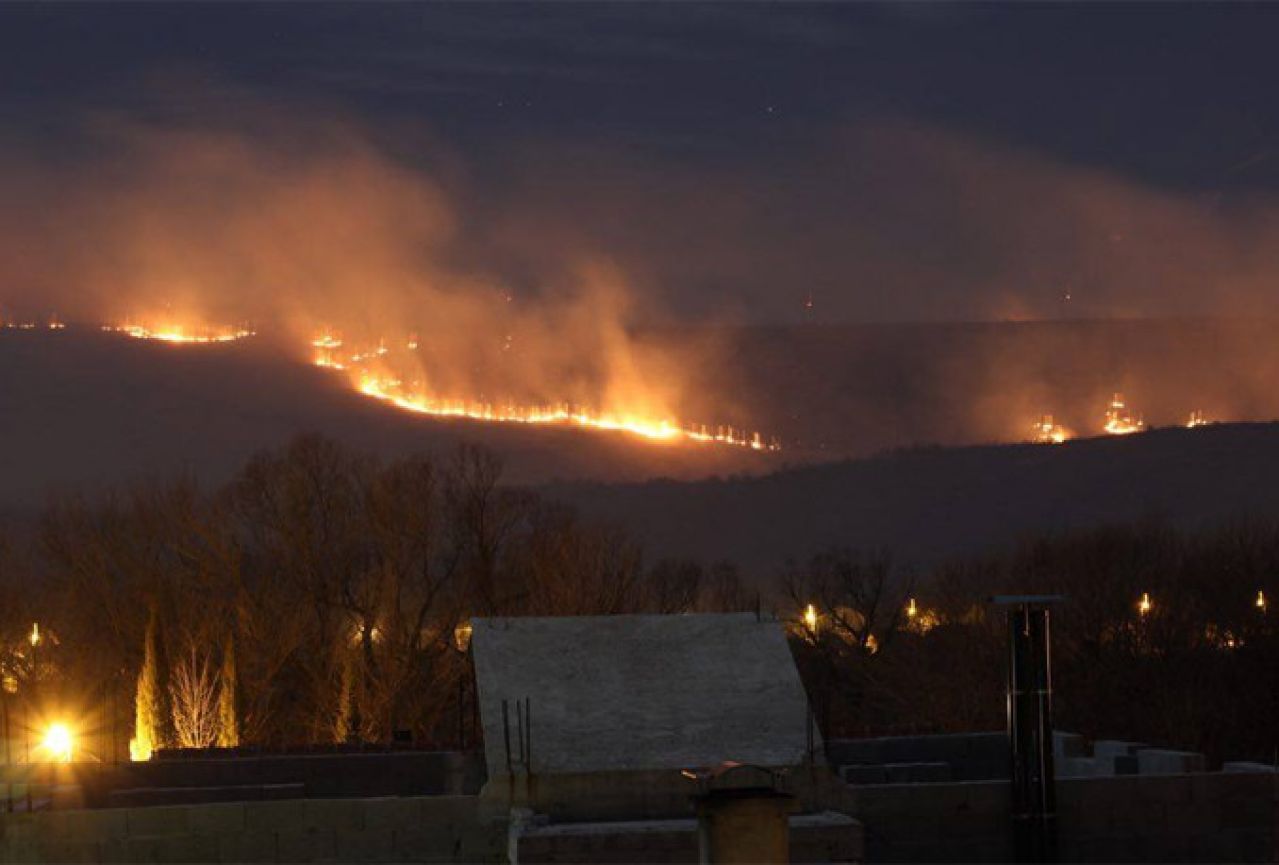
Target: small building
{"x": 600, "y": 730}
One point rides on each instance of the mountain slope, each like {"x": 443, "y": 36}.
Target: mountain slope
{"x": 928, "y": 503}
{"x": 80, "y": 410}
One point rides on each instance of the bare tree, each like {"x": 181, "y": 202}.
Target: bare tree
{"x": 858, "y": 597}
{"x": 193, "y": 695}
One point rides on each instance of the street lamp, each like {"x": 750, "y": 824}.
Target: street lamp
{"x": 462, "y": 637}
{"x": 58, "y": 742}
{"x": 810, "y": 618}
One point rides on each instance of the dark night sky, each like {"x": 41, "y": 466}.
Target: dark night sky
{"x": 850, "y": 130}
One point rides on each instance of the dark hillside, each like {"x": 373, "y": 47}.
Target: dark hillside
{"x": 932, "y": 502}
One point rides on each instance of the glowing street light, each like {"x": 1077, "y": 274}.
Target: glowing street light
{"x": 139, "y": 750}
{"x": 1260, "y": 603}
{"x": 58, "y": 743}
{"x": 34, "y": 637}
{"x": 462, "y": 636}
{"x": 1144, "y": 605}
{"x": 810, "y": 618}
{"x": 911, "y": 610}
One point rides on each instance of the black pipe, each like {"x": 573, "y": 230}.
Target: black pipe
{"x": 1030, "y": 733}
{"x": 506, "y": 735}
{"x": 519, "y": 726}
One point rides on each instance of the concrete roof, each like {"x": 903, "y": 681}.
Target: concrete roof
{"x": 610, "y": 693}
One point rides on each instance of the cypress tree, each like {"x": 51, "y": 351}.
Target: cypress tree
{"x": 149, "y": 707}
{"x": 228, "y": 705}
{"x": 344, "y": 721}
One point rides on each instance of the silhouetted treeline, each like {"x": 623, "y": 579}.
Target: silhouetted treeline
{"x": 342, "y": 585}
{"x": 1198, "y": 667}
{"x": 323, "y": 596}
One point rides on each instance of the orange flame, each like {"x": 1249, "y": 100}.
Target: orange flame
{"x": 1119, "y": 421}
{"x": 1048, "y": 432}
{"x": 179, "y": 333}
{"x": 413, "y": 397}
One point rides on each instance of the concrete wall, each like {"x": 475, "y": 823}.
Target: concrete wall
{"x": 243, "y": 778}
{"x": 948, "y": 822}
{"x": 970, "y": 756}
{"x": 826, "y": 837}
{"x": 408, "y": 773}
{"x": 415, "y": 829}
{"x": 622, "y": 796}
{"x": 1207, "y": 817}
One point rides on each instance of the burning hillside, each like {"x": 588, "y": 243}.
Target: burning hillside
{"x": 379, "y": 371}
{"x": 375, "y": 372}
{"x": 179, "y": 332}
{"x": 402, "y": 372}
{"x": 297, "y": 229}
{"x": 348, "y": 255}
{"x": 1047, "y": 432}
{"x": 1121, "y": 421}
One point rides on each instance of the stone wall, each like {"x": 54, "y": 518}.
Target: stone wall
{"x": 412, "y": 829}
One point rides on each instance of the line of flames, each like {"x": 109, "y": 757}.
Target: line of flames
{"x": 180, "y": 333}
{"x": 1118, "y": 421}
{"x": 392, "y": 390}
{"x": 52, "y": 324}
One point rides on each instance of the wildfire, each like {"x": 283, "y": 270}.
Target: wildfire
{"x": 1197, "y": 418}
{"x": 369, "y": 379}
{"x": 50, "y": 323}
{"x": 1047, "y": 432}
{"x": 1119, "y": 421}
{"x": 179, "y": 333}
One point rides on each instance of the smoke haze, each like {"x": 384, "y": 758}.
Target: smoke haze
{"x": 531, "y": 276}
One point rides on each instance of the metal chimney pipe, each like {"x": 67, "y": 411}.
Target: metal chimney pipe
{"x": 1030, "y": 727}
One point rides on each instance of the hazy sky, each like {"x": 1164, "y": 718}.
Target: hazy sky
{"x": 891, "y": 161}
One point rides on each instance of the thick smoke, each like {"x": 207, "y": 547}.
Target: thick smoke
{"x": 897, "y": 221}
{"x": 523, "y": 275}
{"x": 303, "y": 229}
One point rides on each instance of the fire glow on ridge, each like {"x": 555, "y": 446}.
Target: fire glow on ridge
{"x": 169, "y": 332}
{"x": 372, "y": 378}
